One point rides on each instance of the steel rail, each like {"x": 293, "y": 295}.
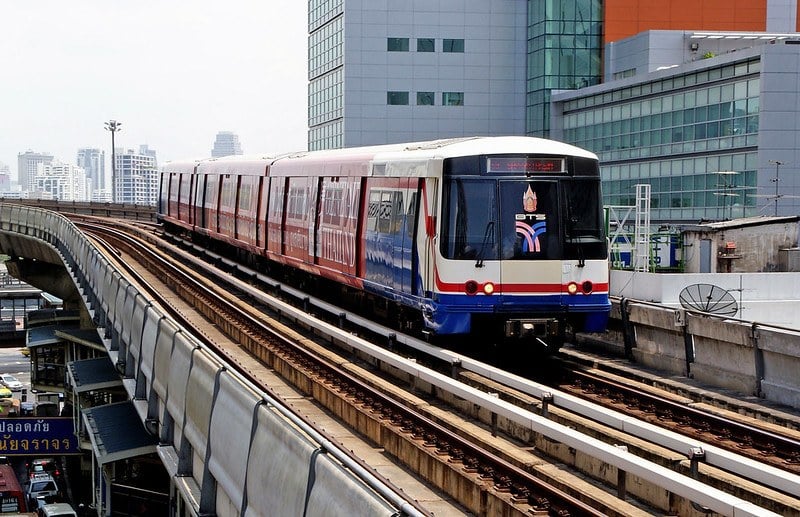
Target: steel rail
{"x": 684, "y": 486}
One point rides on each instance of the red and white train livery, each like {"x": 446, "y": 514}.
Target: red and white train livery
{"x": 493, "y": 234}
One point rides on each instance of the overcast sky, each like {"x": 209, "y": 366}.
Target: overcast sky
{"x": 174, "y": 72}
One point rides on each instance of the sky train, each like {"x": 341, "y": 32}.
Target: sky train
{"x": 494, "y": 236}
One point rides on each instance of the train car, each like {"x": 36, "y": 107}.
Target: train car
{"x": 498, "y": 236}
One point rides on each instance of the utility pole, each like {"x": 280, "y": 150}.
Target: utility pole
{"x": 776, "y": 180}
{"x": 113, "y": 126}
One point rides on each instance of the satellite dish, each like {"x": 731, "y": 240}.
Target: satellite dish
{"x": 708, "y": 298}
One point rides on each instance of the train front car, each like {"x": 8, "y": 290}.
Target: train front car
{"x": 522, "y": 251}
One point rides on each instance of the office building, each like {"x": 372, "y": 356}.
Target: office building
{"x": 710, "y": 120}
{"x": 385, "y": 71}
{"x": 136, "y": 180}
{"x": 226, "y": 144}
{"x": 382, "y": 72}
{"x": 93, "y": 161}
{"x": 27, "y": 166}
{"x": 377, "y": 70}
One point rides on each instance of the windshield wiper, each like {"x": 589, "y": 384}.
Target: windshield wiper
{"x": 487, "y": 234}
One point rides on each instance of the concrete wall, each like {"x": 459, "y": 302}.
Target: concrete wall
{"x": 749, "y": 358}
{"x": 757, "y": 246}
{"x": 768, "y": 298}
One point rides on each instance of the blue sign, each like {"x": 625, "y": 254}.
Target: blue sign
{"x": 37, "y": 436}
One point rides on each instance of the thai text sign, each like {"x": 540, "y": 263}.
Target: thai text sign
{"x": 37, "y": 436}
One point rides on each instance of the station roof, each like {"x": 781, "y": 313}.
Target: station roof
{"x": 20, "y": 293}
{"x": 49, "y": 316}
{"x": 85, "y": 337}
{"x": 93, "y": 374}
{"x": 117, "y": 432}
{"x": 44, "y": 335}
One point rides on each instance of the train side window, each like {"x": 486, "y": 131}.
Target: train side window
{"x": 410, "y": 212}
{"x": 373, "y": 209}
{"x": 385, "y": 212}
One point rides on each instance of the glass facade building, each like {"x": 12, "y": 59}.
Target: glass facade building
{"x": 564, "y": 52}
{"x": 680, "y": 134}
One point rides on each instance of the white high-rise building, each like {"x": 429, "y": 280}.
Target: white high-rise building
{"x": 226, "y": 144}
{"x": 61, "y": 181}
{"x": 136, "y": 180}
{"x": 93, "y": 162}
{"x": 27, "y": 163}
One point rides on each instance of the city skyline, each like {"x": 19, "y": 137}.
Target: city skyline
{"x": 173, "y": 86}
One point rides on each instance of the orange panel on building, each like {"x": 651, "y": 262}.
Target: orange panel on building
{"x": 624, "y": 18}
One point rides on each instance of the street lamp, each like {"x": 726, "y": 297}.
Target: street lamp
{"x": 776, "y": 180}
{"x": 113, "y": 126}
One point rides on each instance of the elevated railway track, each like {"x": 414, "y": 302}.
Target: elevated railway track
{"x": 503, "y": 481}
{"x": 527, "y": 426}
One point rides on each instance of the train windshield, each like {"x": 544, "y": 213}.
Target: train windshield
{"x": 516, "y": 219}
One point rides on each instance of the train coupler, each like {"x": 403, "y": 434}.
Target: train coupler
{"x": 532, "y": 328}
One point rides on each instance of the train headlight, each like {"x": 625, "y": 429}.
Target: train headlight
{"x": 572, "y": 288}
{"x": 471, "y": 287}
{"x": 587, "y": 287}
{"x": 488, "y": 288}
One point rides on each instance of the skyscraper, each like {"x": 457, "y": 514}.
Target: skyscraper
{"x": 93, "y": 162}
{"x": 27, "y": 163}
{"x": 226, "y": 144}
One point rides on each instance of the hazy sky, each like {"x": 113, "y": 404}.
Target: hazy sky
{"x": 174, "y": 72}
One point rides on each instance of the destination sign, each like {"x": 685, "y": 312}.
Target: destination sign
{"x": 525, "y": 164}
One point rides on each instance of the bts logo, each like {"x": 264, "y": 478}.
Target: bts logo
{"x": 529, "y": 225}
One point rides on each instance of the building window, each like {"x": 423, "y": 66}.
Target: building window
{"x": 425, "y": 99}
{"x": 453, "y": 45}
{"x": 397, "y": 98}
{"x": 452, "y": 98}
{"x": 426, "y": 45}
{"x": 397, "y": 44}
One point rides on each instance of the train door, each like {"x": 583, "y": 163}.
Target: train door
{"x": 183, "y": 197}
{"x": 199, "y": 201}
{"x": 174, "y": 183}
{"x": 211, "y": 205}
{"x": 299, "y": 219}
{"x": 261, "y": 217}
{"x": 163, "y": 198}
{"x": 529, "y": 232}
{"x": 276, "y": 215}
{"x": 191, "y": 200}
{"x": 402, "y": 233}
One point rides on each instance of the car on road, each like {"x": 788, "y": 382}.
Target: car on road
{"x": 43, "y": 465}
{"x": 57, "y": 510}
{"x": 10, "y": 382}
{"x": 42, "y": 488}
{"x": 5, "y": 393}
